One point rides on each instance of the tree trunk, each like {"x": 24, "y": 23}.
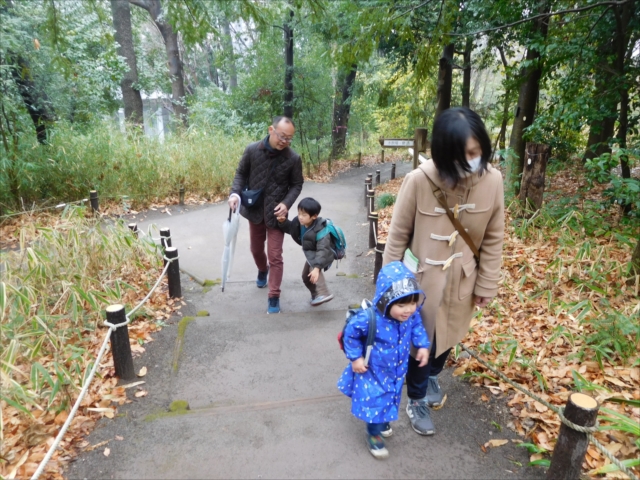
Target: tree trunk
{"x": 341, "y": 111}
{"x": 466, "y": 73}
{"x": 229, "y": 53}
{"x": 445, "y": 77}
{"x": 211, "y": 60}
{"x": 131, "y": 97}
{"x": 154, "y": 7}
{"x": 527, "y": 99}
{"x": 532, "y": 185}
{"x": 288, "y": 60}
{"x": 635, "y": 259}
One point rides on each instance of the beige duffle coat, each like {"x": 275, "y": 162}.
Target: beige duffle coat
{"x": 447, "y": 269}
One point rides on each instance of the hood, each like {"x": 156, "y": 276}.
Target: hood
{"x": 395, "y": 281}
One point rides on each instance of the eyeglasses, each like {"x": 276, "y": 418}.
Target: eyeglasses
{"x": 283, "y": 139}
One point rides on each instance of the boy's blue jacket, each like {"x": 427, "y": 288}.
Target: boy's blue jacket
{"x": 375, "y": 394}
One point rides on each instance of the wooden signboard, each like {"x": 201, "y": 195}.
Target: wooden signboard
{"x": 396, "y": 142}
{"x": 419, "y": 143}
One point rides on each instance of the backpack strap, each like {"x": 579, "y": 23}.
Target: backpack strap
{"x": 325, "y": 230}
{"x": 371, "y": 335}
{"x": 438, "y": 193}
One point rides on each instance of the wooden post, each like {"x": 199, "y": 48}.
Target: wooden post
{"x": 133, "y": 227}
{"x": 373, "y": 229}
{"x": 359, "y": 159}
{"x": 371, "y": 195}
{"x": 181, "y": 194}
{"x": 378, "y": 262}
{"x": 93, "y": 197}
{"x": 173, "y": 273}
{"x": 377, "y": 177}
{"x": 393, "y": 171}
{"x": 535, "y": 166}
{"x": 120, "y": 347}
{"x": 419, "y": 144}
{"x": 165, "y": 237}
{"x": 382, "y": 156}
{"x": 571, "y": 446}
{"x": 367, "y": 184}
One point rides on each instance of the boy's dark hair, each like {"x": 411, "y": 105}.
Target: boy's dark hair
{"x": 309, "y": 205}
{"x": 451, "y": 130}
{"x": 413, "y": 298}
{"x": 280, "y": 118}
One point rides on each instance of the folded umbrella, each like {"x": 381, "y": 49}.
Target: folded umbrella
{"x": 230, "y": 231}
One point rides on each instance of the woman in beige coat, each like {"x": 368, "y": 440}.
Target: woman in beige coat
{"x": 423, "y": 236}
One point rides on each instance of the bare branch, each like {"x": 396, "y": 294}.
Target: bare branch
{"x": 410, "y": 10}
{"x": 542, "y": 15}
{"x": 140, "y": 3}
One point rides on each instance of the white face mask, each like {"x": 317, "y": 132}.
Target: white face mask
{"x": 474, "y": 163}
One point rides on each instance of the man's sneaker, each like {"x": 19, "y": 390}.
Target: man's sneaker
{"x": 261, "y": 281}
{"x": 376, "y": 446}
{"x": 387, "y": 432}
{"x": 435, "y": 397}
{"x": 320, "y": 299}
{"x": 274, "y": 305}
{"x": 420, "y": 417}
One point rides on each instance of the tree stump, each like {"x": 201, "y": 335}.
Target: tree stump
{"x": 535, "y": 166}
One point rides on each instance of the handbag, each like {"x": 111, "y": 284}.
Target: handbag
{"x": 250, "y": 198}
{"x": 439, "y": 194}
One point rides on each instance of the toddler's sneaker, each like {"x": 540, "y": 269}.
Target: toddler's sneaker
{"x": 274, "y": 305}
{"x": 420, "y": 417}
{"x": 387, "y": 432}
{"x": 261, "y": 281}
{"x": 435, "y": 396}
{"x": 376, "y": 447}
{"x": 320, "y": 299}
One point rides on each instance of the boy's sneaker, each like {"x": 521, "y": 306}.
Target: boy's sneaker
{"x": 274, "y": 305}
{"x": 387, "y": 432}
{"x": 320, "y": 299}
{"x": 376, "y": 447}
{"x": 420, "y": 417}
{"x": 261, "y": 281}
{"x": 435, "y": 397}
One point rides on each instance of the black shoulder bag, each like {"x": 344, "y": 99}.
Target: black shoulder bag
{"x": 250, "y": 198}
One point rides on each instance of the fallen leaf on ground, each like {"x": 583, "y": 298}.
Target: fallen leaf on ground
{"x": 107, "y": 451}
{"x": 134, "y": 384}
{"x": 496, "y": 443}
{"x": 141, "y": 393}
{"x": 142, "y": 372}
{"x": 119, "y": 438}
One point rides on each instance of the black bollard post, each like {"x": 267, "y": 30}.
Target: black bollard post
{"x": 359, "y": 159}
{"x": 382, "y": 156}
{"x": 173, "y": 273}
{"x": 371, "y": 196}
{"x": 133, "y": 227}
{"x": 120, "y": 347}
{"x": 367, "y": 184}
{"x": 393, "y": 171}
{"x": 165, "y": 237}
{"x": 93, "y": 197}
{"x": 377, "y": 177}
{"x": 378, "y": 262}
{"x": 373, "y": 229}
{"x": 181, "y": 194}
{"x": 568, "y": 454}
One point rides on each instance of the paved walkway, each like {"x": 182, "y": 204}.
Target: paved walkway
{"x": 261, "y": 388}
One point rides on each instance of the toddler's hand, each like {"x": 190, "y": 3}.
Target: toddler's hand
{"x": 281, "y": 219}
{"x": 422, "y": 356}
{"x": 358, "y": 365}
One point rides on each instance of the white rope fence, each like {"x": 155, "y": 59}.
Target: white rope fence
{"x": 96, "y": 364}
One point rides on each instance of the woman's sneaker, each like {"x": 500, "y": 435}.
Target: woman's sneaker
{"x": 376, "y": 447}
{"x": 435, "y": 396}
{"x": 387, "y": 432}
{"x": 420, "y": 417}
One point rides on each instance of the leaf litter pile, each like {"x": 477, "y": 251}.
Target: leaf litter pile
{"x": 566, "y": 318}
{"x": 53, "y": 294}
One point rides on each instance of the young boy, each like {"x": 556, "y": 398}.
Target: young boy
{"x": 375, "y": 389}
{"x": 303, "y": 230}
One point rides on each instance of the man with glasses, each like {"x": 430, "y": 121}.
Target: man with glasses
{"x": 272, "y": 165}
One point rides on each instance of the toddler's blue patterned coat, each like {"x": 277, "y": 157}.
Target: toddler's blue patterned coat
{"x": 375, "y": 394}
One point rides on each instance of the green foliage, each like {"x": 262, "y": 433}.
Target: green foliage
{"x": 623, "y": 191}
{"x": 613, "y": 335}
{"x": 386, "y": 200}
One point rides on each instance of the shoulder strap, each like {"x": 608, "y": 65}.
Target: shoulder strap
{"x": 371, "y": 334}
{"x": 437, "y": 192}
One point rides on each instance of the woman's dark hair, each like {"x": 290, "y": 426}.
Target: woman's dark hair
{"x": 451, "y": 130}
{"x": 309, "y": 205}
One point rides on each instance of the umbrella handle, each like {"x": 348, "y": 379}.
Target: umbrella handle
{"x": 230, "y": 212}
